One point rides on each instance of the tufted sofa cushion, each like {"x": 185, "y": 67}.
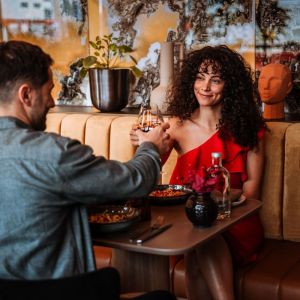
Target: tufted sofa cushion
{"x": 275, "y": 275}
{"x": 291, "y": 183}
{"x": 272, "y": 184}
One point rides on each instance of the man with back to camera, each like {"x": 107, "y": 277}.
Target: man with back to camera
{"x": 46, "y": 179}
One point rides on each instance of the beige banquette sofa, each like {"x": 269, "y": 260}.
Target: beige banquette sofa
{"x": 276, "y": 274}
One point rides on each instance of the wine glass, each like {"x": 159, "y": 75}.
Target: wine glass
{"x": 149, "y": 118}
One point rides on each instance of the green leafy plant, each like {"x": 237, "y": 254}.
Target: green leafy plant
{"x": 108, "y": 54}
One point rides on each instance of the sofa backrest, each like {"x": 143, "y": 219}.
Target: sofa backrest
{"x": 291, "y": 184}
{"x": 108, "y": 135}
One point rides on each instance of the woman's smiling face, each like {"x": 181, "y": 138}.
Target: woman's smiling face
{"x": 208, "y": 86}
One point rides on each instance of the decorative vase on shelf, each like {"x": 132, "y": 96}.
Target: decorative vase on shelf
{"x": 166, "y": 72}
{"x": 201, "y": 209}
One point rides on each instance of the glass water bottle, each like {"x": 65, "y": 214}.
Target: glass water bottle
{"x": 221, "y": 188}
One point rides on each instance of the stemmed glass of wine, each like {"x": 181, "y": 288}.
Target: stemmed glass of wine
{"x": 149, "y": 118}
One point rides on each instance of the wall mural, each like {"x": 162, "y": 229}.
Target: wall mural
{"x": 262, "y": 31}
{"x": 61, "y": 29}
{"x": 278, "y": 41}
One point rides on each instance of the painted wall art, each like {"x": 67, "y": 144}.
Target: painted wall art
{"x": 262, "y": 31}
{"x": 278, "y": 41}
{"x": 60, "y": 27}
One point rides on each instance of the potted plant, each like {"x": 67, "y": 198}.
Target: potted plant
{"x": 109, "y": 81}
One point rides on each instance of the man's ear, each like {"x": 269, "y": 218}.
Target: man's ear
{"x": 25, "y": 94}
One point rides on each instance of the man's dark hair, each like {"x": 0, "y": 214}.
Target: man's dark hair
{"x": 22, "y": 61}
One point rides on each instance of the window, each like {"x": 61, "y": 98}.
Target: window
{"x": 36, "y": 5}
{"x": 24, "y": 4}
{"x": 47, "y": 13}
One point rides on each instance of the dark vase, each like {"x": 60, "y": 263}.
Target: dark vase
{"x": 201, "y": 209}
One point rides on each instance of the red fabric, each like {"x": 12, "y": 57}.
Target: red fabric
{"x": 245, "y": 237}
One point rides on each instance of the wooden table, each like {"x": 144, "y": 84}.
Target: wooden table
{"x": 146, "y": 267}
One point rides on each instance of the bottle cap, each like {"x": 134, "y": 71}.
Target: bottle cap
{"x": 216, "y": 155}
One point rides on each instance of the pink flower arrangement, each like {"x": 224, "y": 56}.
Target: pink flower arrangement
{"x": 201, "y": 182}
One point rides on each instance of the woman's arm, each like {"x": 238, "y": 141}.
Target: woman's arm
{"x": 165, "y": 157}
{"x": 255, "y": 164}
{"x": 172, "y": 142}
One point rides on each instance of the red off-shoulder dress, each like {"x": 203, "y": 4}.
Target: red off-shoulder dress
{"x": 244, "y": 238}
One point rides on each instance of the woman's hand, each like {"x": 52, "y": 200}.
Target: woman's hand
{"x": 158, "y": 136}
{"x": 235, "y": 194}
{"x": 134, "y": 139}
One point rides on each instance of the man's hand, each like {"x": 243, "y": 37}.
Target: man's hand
{"x": 158, "y": 136}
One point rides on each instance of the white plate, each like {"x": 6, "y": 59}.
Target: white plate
{"x": 241, "y": 200}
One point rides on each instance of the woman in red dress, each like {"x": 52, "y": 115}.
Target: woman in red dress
{"x": 214, "y": 109}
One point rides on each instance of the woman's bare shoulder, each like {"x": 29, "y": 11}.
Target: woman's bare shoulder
{"x": 178, "y": 128}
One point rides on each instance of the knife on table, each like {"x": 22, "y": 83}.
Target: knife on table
{"x": 141, "y": 231}
{"x": 150, "y": 234}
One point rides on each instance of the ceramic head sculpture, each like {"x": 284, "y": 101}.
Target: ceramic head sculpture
{"x": 274, "y": 84}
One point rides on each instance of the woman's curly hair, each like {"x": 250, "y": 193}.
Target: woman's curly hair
{"x": 240, "y": 115}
